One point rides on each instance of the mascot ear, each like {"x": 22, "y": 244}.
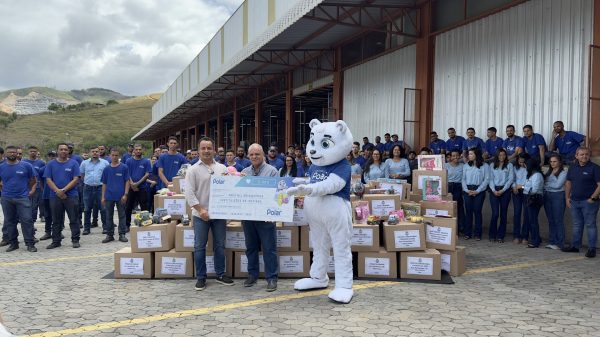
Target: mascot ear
{"x": 314, "y": 123}
{"x": 341, "y": 125}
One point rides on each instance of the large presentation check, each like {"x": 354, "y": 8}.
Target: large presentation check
{"x": 251, "y": 198}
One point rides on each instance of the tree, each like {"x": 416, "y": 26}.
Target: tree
{"x": 111, "y": 102}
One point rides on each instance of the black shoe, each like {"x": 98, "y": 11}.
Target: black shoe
{"x": 467, "y": 237}
{"x": 31, "y": 249}
{"x": 80, "y": 226}
{"x": 200, "y": 285}
{"x": 591, "y": 253}
{"x": 3, "y": 243}
{"x": 76, "y": 244}
{"x": 11, "y": 248}
{"x": 271, "y": 285}
{"x": 46, "y": 237}
{"x": 250, "y": 281}
{"x": 94, "y": 224}
{"x": 86, "y": 232}
{"x": 108, "y": 238}
{"x": 104, "y": 232}
{"x": 53, "y": 245}
{"x": 570, "y": 250}
{"x": 123, "y": 238}
{"x": 224, "y": 279}
{"x": 531, "y": 245}
{"x": 42, "y": 219}
{"x": 62, "y": 237}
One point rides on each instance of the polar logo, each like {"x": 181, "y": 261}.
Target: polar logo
{"x": 273, "y": 212}
{"x": 218, "y": 181}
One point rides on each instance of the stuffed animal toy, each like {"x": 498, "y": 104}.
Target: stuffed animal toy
{"x": 327, "y": 207}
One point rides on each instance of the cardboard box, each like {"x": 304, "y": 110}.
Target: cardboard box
{"x": 179, "y": 185}
{"x": 365, "y": 238}
{"x": 439, "y": 208}
{"x": 185, "y": 239}
{"x": 234, "y": 237}
{"x": 454, "y": 262}
{"x": 241, "y": 265}
{"x": 377, "y": 265}
{"x": 210, "y": 264}
{"x": 294, "y": 264}
{"x": 175, "y": 204}
{"x": 428, "y": 162}
{"x": 288, "y": 238}
{"x": 411, "y": 208}
{"x": 405, "y": 236}
{"x": 133, "y": 265}
{"x": 425, "y": 265}
{"x": 402, "y": 189}
{"x": 173, "y": 264}
{"x": 414, "y": 197}
{"x": 440, "y": 233}
{"x": 153, "y": 238}
{"x": 381, "y": 205}
{"x": 419, "y": 176}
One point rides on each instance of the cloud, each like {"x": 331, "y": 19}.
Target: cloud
{"x": 131, "y": 46}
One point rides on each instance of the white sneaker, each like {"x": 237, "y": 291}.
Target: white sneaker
{"x": 555, "y": 247}
{"x": 548, "y": 246}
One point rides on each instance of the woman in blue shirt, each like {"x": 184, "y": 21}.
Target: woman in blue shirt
{"x": 501, "y": 179}
{"x": 520, "y": 229}
{"x": 306, "y": 163}
{"x": 455, "y": 172}
{"x": 397, "y": 165}
{"x": 534, "y": 191}
{"x": 374, "y": 168}
{"x": 475, "y": 180}
{"x": 355, "y": 168}
{"x": 554, "y": 201}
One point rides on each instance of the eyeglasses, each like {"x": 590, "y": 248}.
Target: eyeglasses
{"x": 271, "y": 150}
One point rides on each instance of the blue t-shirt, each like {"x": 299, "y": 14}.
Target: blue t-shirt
{"x": 380, "y": 147}
{"x": 38, "y": 166}
{"x": 364, "y": 146}
{"x": 569, "y": 143}
{"x": 115, "y": 179}
{"x": 360, "y": 160}
{"x": 341, "y": 169}
{"x": 245, "y": 162}
{"x": 237, "y": 166}
{"x": 531, "y": 145}
{"x": 584, "y": 180}
{"x": 276, "y": 163}
{"x": 455, "y": 144}
{"x": 195, "y": 160}
{"x": 491, "y": 146}
{"x": 170, "y": 163}
{"x": 61, "y": 174}
{"x": 15, "y": 179}
{"x": 125, "y": 158}
{"x": 77, "y": 158}
{"x": 137, "y": 169}
{"x": 476, "y": 142}
{"x": 437, "y": 146}
{"x": 511, "y": 145}
{"x": 387, "y": 146}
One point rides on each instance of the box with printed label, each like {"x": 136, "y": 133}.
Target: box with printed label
{"x": 133, "y": 265}
{"x": 175, "y": 205}
{"x": 405, "y": 236}
{"x": 439, "y": 208}
{"x": 440, "y": 233}
{"x": 240, "y": 265}
{"x": 234, "y": 237}
{"x": 287, "y": 238}
{"x": 454, "y": 262}
{"x": 179, "y": 185}
{"x": 424, "y": 265}
{"x": 365, "y": 238}
{"x": 173, "y": 264}
{"x": 153, "y": 238}
{"x": 210, "y": 263}
{"x": 185, "y": 239}
{"x": 382, "y": 204}
{"x": 420, "y": 177}
{"x": 377, "y": 265}
{"x": 305, "y": 244}
{"x": 294, "y": 264}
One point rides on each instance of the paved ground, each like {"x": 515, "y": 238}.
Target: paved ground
{"x": 508, "y": 291}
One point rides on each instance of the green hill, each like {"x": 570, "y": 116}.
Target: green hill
{"x": 93, "y": 95}
{"x": 40, "y": 90}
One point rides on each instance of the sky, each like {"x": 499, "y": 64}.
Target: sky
{"x": 135, "y": 47}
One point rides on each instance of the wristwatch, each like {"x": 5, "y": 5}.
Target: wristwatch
{"x": 595, "y": 198}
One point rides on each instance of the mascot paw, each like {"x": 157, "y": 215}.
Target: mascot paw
{"x": 300, "y": 181}
{"x": 311, "y": 283}
{"x": 341, "y": 295}
{"x": 299, "y": 190}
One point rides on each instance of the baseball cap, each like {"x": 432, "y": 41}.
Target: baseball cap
{"x": 51, "y": 153}
{"x": 188, "y": 151}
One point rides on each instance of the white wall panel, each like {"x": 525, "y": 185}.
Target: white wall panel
{"x": 194, "y": 73}
{"x": 258, "y": 17}
{"x": 524, "y": 65}
{"x": 234, "y": 33}
{"x": 215, "y": 52}
{"x": 282, "y": 6}
{"x": 203, "y": 65}
{"x": 374, "y": 94}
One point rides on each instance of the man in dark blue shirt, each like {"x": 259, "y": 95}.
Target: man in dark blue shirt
{"x": 454, "y": 142}
{"x": 241, "y": 158}
{"x": 513, "y": 144}
{"x": 169, "y": 163}
{"x": 565, "y": 142}
{"x": 366, "y": 143}
{"x": 115, "y": 183}
{"x": 38, "y": 166}
{"x": 472, "y": 142}
{"x": 534, "y": 144}
{"x": 582, "y": 193}
{"x": 273, "y": 158}
{"x": 437, "y": 146}
{"x": 492, "y": 144}
{"x": 139, "y": 170}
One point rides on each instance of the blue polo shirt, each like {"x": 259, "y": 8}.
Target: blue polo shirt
{"x": 77, "y": 158}
{"x": 137, "y": 169}
{"x": 341, "y": 169}
{"x": 115, "y": 179}
{"x": 276, "y": 163}
{"x": 125, "y": 158}
{"x": 61, "y": 174}
{"x": 38, "y": 166}
{"x": 476, "y": 142}
{"x": 531, "y": 145}
{"x": 387, "y": 146}
{"x": 511, "y": 145}
{"x": 569, "y": 143}
{"x": 170, "y": 163}
{"x": 437, "y": 146}
{"x": 584, "y": 180}
{"x": 244, "y": 162}
{"x": 491, "y": 146}
{"x": 455, "y": 144}
{"x": 360, "y": 160}
{"x": 380, "y": 147}
{"x": 364, "y": 146}
{"x": 15, "y": 179}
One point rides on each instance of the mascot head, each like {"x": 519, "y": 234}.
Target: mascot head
{"x": 329, "y": 142}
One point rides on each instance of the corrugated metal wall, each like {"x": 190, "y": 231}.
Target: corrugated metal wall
{"x": 525, "y": 65}
{"x": 374, "y": 94}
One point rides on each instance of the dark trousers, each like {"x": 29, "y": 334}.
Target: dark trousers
{"x": 261, "y": 235}
{"x": 110, "y": 215}
{"x": 35, "y": 202}
{"x": 520, "y": 223}
{"x": 499, "y": 209}
{"x": 534, "y": 225}
{"x": 92, "y": 206}
{"x": 59, "y": 207}
{"x": 473, "y": 209}
{"x": 18, "y": 210}
{"x": 139, "y": 197}
{"x": 47, "y": 216}
{"x": 456, "y": 190}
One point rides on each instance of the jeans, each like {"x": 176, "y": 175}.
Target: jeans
{"x": 473, "y": 209}
{"x": 201, "y": 229}
{"x": 140, "y": 197}
{"x": 554, "y": 205}
{"x": 110, "y": 215}
{"x": 35, "y": 202}
{"x": 47, "y": 216}
{"x": 456, "y": 190}
{"x": 584, "y": 214}
{"x": 499, "y": 208}
{"x": 257, "y": 234}
{"x": 91, "y": 200}
{"x": 58, "y": 207}
{"x": 533, "y": 224}
{"x": 18, "y": 210}
{"x": 520, "y": 227}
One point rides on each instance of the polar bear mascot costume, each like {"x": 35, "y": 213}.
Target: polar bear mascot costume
{"x": 327, "y": 206}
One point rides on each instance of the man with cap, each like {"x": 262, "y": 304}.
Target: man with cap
{"x": 273, "y": 158}
{"x": 128, "y": 154}
{"x": 50, "y": 156}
